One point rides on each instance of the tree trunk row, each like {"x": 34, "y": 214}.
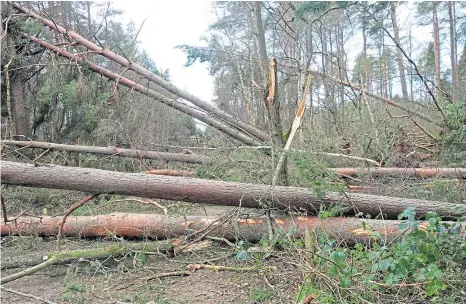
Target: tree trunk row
{"x": 197, "y": 190}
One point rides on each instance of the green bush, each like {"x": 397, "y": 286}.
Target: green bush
{"x": 432, "y": 259}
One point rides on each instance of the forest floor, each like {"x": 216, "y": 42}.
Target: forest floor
{"x": 125, "y": 279}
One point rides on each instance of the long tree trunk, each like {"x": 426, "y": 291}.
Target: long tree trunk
{"x": 399, "y": 56}
{"x": 403, "y": 172}
{"x": 202, "y": 116}
{"x": 349, "y": 230}
{"x": 149, "y": 75}
{"x": 271, "y": 101}
{"x": 261, "y": 40}
{"x": 178, "y": 157}
{"x": 453, "y": 51}
{"x": 19, "y": 113}
{"x": 212, "y": 192}
{"x": 436, "y": 51}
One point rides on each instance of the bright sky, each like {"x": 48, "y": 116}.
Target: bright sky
{"x": 168, "y": 24}
{"x": 171, "y": 23}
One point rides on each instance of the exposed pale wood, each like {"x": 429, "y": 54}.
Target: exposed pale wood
{"x": 212, "y": 192}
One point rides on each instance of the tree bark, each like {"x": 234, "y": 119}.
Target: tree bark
{"x": 261, "y": 40}
{"x": 179, "y": 157}
{"x": 403, "y": 172}
{"x": 399, "y": 55}
{"x": 436, "y": 51}
{"x": 348, "y": 230}
{"x": 260, "y": 135}
{"x": 196, "y": 190}
{"x": 453, "y": 51}
{"x": 20, "y": 113}
{"x": 202, "y": 116}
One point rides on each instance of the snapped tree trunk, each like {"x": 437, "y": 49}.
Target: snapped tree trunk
{"x": 132, "y": 225}
{"x": 197, "y": 190}
{"x": 178, "y": 157}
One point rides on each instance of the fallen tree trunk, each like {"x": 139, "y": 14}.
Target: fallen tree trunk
{"x": 180, "y": 106}
{"x": 211, "y": 108}
{"x": 197, "y": 190}
{"x": 132, "y": 225}
{"x": 403, "y": 172}
{"x": 178, "y": 157}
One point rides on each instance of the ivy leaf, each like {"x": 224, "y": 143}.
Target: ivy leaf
{"x": 389, "y": 279}
{"x": 409, "y": 213}
{"x": 385, "y": 264}
{"x": 434, "y": 287}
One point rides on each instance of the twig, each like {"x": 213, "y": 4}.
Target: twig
{"x": 205, "y": 231}
{"x": 424, "y": 130}
{"x": 69, "y": 211}
{"x": 42, "y": 154}
{"x": 221, "y": 240}
{"x": 194, "y": 267}
{"x": 399, "y": 285}
{"x": 27, "y": 295}
{"x": 167, "y": 274}
{"x": 29, "y": 271}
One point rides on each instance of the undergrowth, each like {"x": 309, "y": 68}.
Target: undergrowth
{"x": 424, "y": 265}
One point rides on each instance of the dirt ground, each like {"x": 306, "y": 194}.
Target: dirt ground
{"x": 126, "y": 280}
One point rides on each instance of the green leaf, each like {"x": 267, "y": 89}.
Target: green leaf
{"x": 345, "y": 282}
{"x": 409, "y": 213}
{"x": 242, "y": 255}
{"x": 385, "y": 264}
{"x": 434, "y": 287}
{"x": 418, "y": 235}
{"x": 389, "y": 279}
